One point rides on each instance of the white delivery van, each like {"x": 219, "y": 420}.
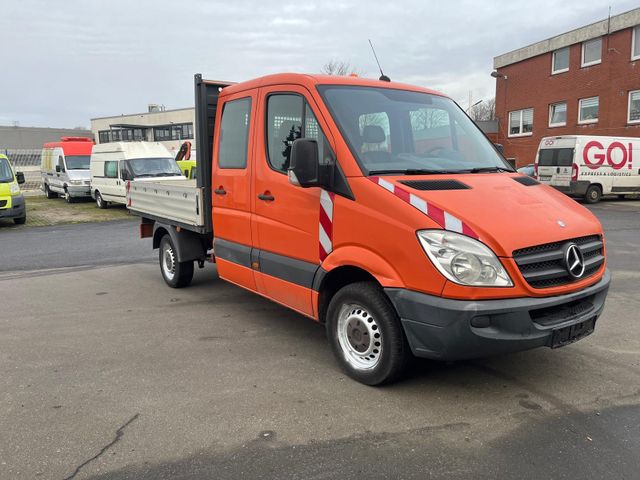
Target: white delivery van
{"x": 64, "y": 167}
{"x": 589, "y": 166}
{"x": 114, "y": 164}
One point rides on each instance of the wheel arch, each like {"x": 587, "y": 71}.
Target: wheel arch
{"x": 189, "y": 245}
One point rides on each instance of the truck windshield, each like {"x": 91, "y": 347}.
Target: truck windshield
{"x": 77, "y": 162}
{"x": 153, "y": 167}
{"x": 555, "y": 157}
{"x": 6, "y": 174}
{"x": 400, "y": 131}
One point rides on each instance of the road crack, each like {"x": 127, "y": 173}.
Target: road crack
{"x": 119, "y": 434}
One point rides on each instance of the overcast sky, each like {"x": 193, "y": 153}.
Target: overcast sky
{"x": 65, "y": 61}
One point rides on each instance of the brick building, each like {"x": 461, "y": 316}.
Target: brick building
{"x": 582, "y": 82}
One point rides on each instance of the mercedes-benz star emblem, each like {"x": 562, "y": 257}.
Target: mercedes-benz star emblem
{"x": 574, "y": 261}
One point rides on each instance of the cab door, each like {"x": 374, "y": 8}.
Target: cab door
{"x": 286, "y": 217}
{"x": 232, "y": 189}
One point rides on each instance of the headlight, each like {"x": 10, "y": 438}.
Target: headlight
{"x": 14, "y": 189}
{"x": 463, "y": 260}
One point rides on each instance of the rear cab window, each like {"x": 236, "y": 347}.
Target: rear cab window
{"x": 234, "y": 134}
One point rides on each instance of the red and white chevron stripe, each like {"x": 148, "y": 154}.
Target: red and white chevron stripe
{"x": 325, "y": 227}
{"x": 437, "y": 214}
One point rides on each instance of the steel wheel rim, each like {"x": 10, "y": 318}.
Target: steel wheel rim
{"x": 99, "y": 199}
{"x": 359, "y": 337}
{"x": 168, "y": 262}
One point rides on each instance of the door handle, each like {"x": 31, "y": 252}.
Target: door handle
{"x": 220, "y": 191}
{"x": 266, "y": 196}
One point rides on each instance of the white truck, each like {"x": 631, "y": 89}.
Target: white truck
{"x": 588, "y": 166}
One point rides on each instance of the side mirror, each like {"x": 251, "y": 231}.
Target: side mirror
{"x": 58, "y": 169}
{"x": 20, "y": 177}
{"x": 499, "y": 147}
{"x": 124, "y": 175}
{"x": 304, "y": 165}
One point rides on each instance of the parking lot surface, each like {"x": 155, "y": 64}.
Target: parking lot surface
{"x": 106, "y": 373}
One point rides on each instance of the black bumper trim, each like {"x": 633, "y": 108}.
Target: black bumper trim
{"x": 441, "y": 328}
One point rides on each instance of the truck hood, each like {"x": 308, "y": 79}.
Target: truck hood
{"x": 79, "y": 174}
{"x": 506, "y": 214}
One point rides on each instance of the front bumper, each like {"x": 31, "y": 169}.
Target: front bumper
{"x": 575, "y": 188}
{"x": 14, "y": 207}
{"x": 79, "y": 190}
{"x": 443, "y": 329}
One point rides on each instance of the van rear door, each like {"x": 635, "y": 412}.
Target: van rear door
{"x": 555, "y": 163}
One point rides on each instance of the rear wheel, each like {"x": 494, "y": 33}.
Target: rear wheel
{"x": 100, "y": 201}
{"x": 176, "y": 274}
{"x": 594, "y": 194}
{"x": 365, "y": 334}
{"x": 48, "y": 193}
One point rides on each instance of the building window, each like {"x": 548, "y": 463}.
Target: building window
{"x": 558, "y": 114}
{"x": 521, "y": 122}
{"x": 634, "y": 107}
{"x": 178, "y": 131}
{"x": 234, "y": 134}
{"x": 560, "y": 62}
{"x": 103, "y": 136}
{"x": 635, "y": 43}
{"x": 592, "y": 52}
{"x": 588, "y": 110}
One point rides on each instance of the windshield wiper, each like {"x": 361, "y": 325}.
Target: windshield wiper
{"x": 412, "y": 171}
{"x": 487, "y": 170}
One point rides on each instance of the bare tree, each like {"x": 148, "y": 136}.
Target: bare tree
{"x": 338, "y": 67}
{"x": 485, "y": 110}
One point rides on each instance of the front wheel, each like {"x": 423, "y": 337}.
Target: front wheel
{"x": 100, "y": 201}
{"x": 20, "y": 220}
{"x": 593, "y": 194}
{"x": 68, "y": 198}
{"x": 48, "y": 193}
{"x": 365, "y": 334}
{"x": 176, "y": 274}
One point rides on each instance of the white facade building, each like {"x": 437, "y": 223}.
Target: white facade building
{"x": 170, "y": 127}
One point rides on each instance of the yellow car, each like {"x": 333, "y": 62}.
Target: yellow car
{"x": 188, "y": 168}
{"x": 12, "y": 203}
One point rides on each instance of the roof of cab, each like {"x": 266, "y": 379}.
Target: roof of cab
{"x": 310, "y": 81}
{"x": 73, "y": 145}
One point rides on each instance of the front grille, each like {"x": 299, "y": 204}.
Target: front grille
{"x": 543, "y": 266}
{"x": 562, "y": 313}
{"x": 3, "y": 203}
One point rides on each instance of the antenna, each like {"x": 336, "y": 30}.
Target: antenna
{"x": 383, "y": 77}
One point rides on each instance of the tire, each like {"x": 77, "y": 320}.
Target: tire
{"x": 48, "y": 193}
{"x": 68, "y": 198}
{"x": 365, "y": 334}
{"x": 20, "y": 220}
{"x": 593, "y": 194}
{"x": 100, "y": 202}
{"x": 175, "y": 274}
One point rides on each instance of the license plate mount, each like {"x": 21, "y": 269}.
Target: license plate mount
{"x": 568, "y": 335}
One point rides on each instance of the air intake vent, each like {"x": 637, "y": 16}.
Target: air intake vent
{"x": 526, "y": 181}
{"x": 435, "y": 184}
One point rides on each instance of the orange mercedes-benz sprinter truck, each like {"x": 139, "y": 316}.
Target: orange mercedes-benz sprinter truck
{"x": 382, "y": 211}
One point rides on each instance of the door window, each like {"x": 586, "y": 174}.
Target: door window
{"x": 289, "y": 117}
{"x": 234, "y": 134}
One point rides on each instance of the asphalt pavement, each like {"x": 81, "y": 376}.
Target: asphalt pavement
{"x": 106, "y": 373}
